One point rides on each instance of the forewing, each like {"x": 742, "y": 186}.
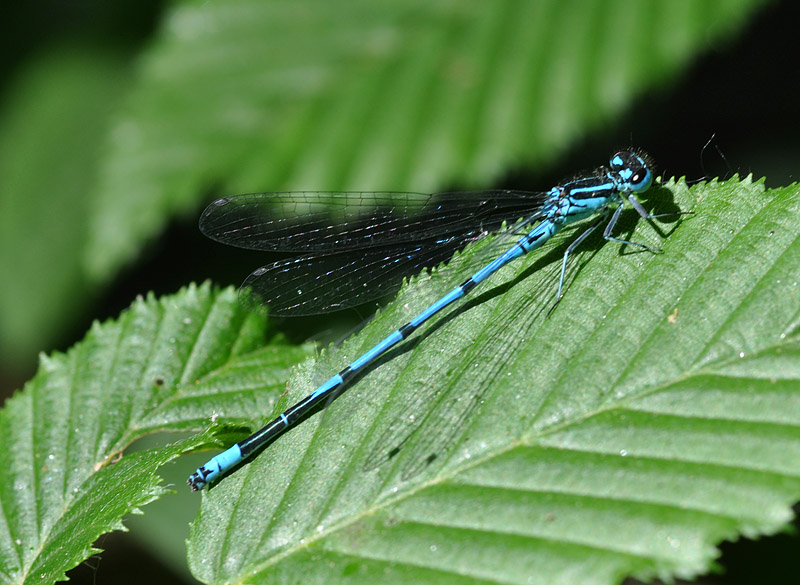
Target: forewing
{"x": 307, "y": 222}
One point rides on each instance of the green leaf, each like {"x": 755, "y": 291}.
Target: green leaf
{"x": 51, "y": 129}
{"x": 654, "y": 414}
{"x": 65, "y": 480}
{"x": 414, "y": 95}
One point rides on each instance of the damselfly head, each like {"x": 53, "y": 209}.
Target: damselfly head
{"x": 633, "y": 170}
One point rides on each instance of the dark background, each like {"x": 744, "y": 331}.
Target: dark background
{"x": 736, "y": 110}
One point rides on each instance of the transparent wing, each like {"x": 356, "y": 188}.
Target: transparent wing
{"x": 310, "y": 285}
{"x": 353, "y": 246}
{"x": 306, "y": 222}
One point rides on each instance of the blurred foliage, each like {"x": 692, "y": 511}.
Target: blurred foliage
{"x": 96, "y": 156}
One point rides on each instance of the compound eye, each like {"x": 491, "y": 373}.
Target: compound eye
{"x": 640, "y": 179}
{"x": 618, "y": 161}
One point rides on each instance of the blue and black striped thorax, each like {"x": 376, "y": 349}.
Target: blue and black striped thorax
{"x": 628, "y": 172}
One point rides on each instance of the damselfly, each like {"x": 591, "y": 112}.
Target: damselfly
{"x": 353, "y": 247}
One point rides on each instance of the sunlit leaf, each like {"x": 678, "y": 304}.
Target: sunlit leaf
{"x": 655, "y": 413}
{"x": 65, "y": 480}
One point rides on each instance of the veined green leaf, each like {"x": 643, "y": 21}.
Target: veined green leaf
{"x": 65, "y": 480}
{"x": 654, "y": 414}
